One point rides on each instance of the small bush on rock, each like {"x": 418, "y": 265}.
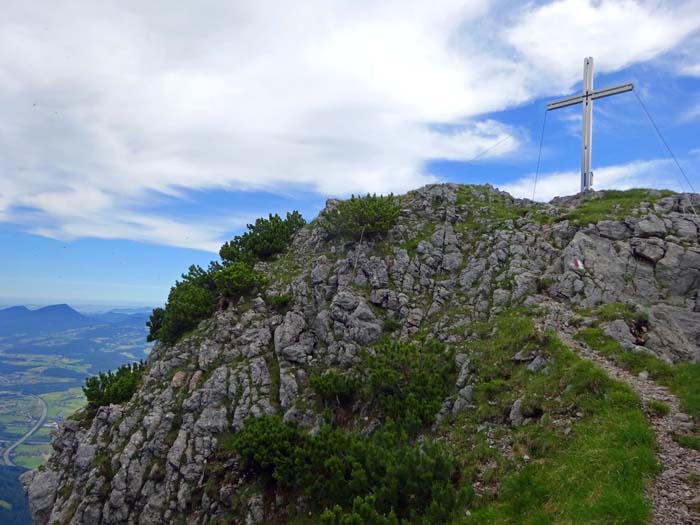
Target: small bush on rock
{"x": 237, "y": 279}
{"x": 379, "y": 479}
{"x": 265, "y": 444}
{"x": 113, "y": 387}
{"x": 200, "y": 277}
{"x": 333, "y": 387}
{"x": 154, "y": 324}
{"x": 187, "y": 305}
{"x": 409, "y": 381}
{"x": 279, "y": 301}
{"x": 263, "y": 239}
{"x": 360, "y": 217}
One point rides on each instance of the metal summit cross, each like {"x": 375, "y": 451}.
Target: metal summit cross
{"x": 587, "y": 98}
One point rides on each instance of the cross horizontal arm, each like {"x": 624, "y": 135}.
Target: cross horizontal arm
{"x": 598, "y": 93}
{"x": 564, "y": 102}
{"x": 609, "y": 91}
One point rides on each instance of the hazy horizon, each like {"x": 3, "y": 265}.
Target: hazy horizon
{"x": 80, "y": 306}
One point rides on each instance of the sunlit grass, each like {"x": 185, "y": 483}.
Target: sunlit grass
{"x": 682, "y": 378}
{"x": 612, "y": 204}
{"x": 597, "y": 472}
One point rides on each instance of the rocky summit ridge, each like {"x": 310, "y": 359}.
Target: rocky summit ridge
{"x": 461, "y": 263}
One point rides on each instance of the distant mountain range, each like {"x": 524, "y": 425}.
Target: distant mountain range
{"x": 58, "y": 317}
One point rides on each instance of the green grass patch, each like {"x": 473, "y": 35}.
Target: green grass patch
{"x": 424, "y": 234}
{"x": 273, "y": 366}
{"x": 693, "y": 479}
{"x": 682, "y": 378}
{"x": 614, "y": 311}
{"x": 279, "y": 302}
{"x": 686, "y": 441}
{"x": 612, "y": 205}
{"x": 391, "y": 325}
{"x": 486, "y": 206}
{"x": 658, "y": 408}
{"x": 594, "y": 472}
{"x": 17, "y": 430}
{"x": 598, "y": 477}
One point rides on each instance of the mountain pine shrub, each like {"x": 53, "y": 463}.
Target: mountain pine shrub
{"x": 237, "y": 279}
{"x": 384, "y": 478}
{"x": 113, "y": 387}
{"x": 187, "y": 305}
{"x": 361, "y": 217}
{"x": 334, "y": 388}
{"x": 409, "y": 381}
{"x": 200, "y": 277}
{"x": 263, "y": 239}
{"x": 193, "y": 298}
{"x": 154, "y": 324}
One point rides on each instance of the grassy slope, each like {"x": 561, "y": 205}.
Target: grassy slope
{"x": 682, "y": 378}
{"x": 612, "y": 204}
{"x": 596, "y": 474}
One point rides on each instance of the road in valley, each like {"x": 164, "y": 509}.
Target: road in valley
{"x": 44, "y": 412}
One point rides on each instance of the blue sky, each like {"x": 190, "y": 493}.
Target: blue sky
{"x": 137, "y": 138}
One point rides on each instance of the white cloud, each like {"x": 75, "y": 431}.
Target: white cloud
{"x": 692, "y": 113}
{"x": 202, "y": 235}
{"x": 692, "y": 70}
{"x": 637, "y": 174}
{"x": 555, "y": 37}
{"x": 105, "y": 103}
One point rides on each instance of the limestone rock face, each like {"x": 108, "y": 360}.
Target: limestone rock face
{"x": 456, "y": 256}
{"x": 41, "y": 489}
{"x": 674, "y": 333}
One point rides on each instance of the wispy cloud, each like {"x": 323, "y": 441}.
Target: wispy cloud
{"x": 691, "y": 113}
{"x": 692, "y": 70}
{"x": 106, "y": 104}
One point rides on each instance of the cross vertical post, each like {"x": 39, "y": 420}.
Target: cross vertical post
{"x": 586, "y": 99}
{"x": 587, "y": 125}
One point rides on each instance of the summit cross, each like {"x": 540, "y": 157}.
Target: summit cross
{"x": 587, "y": 98}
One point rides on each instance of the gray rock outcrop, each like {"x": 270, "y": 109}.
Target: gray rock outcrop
{"x": 456, "y": 256}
